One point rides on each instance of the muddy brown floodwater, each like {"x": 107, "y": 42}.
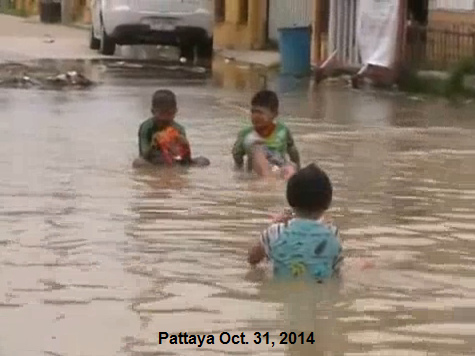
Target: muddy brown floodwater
{"x": 97, "y": 258}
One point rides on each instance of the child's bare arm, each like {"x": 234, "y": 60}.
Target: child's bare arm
{"x": 292, "y": 150}
{"x": 261, "y": 249}
{"x": 146, "y": 145}
{"x": 256, "y": 254}
{"x": 238, "y": 151}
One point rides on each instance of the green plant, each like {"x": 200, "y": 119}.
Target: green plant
{"x": 455, "y": 84}
{"x": 451, "y": 86}
{"x": 411, "y": 81}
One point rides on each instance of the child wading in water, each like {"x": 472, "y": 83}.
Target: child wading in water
{"x": 302, "y": 245}
{"x": 266, "y": 143}
{"x": 162, "y": 141}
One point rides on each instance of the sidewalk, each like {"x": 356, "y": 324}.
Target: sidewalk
{"x": 78, "y": 25}
{"x": 15, "y": 26}
{"x": 28, "y": 39}
{"x": 21, "y": 39}
{"x": 267, "y": 59}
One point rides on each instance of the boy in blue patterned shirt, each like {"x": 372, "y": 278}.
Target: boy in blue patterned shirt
{"x": 303, "y": 246}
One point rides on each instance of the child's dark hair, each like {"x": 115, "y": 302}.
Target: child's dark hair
{"x": 310, "y": 190}
{"x": 267, "y": 99}
{"x": 164, "y": 99}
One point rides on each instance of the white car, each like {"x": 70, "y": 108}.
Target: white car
{"x": 187, "y": 24}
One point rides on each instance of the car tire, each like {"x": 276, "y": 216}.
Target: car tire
{"x": 107, "y": 46}
{"x": 187, "y": 51}
{"x": 205, "y": 48}
{"x": 94, "y": 43}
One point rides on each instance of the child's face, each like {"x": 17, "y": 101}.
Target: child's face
{"x": 163, "y": 117}
{"x": 262, "y": 118}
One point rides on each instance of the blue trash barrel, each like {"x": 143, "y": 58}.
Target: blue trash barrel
{"x": 294, "y": 47}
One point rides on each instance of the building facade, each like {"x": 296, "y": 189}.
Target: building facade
{"x": 72, "y": 10}
{"x": 450, "y": 33}
{"x": 239, "y": 24}
{"x": 435, "y": 34}
{"x": 451, "y": 12}
{"x": 76, "y": 11}
{"x": 254, "y": 24}
{"x": 295, "y": 13}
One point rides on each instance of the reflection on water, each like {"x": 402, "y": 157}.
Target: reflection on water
{"x": 97, "y": 257}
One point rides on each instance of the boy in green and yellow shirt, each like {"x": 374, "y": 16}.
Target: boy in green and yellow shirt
{"x": 266, "y": 143}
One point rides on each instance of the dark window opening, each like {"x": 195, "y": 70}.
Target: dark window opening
{"x": 416, "y": 33}
{"x": 243, "y": 11}
{"x": 418, "y": 11}
{"x": 220, "y": 10}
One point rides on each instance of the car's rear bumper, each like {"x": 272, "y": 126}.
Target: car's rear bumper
{"x": 123, "y": 24}
{"x": 142, "y": 34}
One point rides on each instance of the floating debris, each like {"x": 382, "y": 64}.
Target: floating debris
{"x": 17, "y": 75}
{"x": 48, "y": 39}
{"x": 174, "y": 68}
{"x": 70, "y": 79}
{"x": 200, "y": 70}
{"x": 18, "y": 82}
{"x": 123, "y": 64}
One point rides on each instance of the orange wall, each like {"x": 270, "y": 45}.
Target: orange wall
{"x": 30, "y": 7}
{"x": 231, "y": 34}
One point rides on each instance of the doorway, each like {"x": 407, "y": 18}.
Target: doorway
{"x": 416, "y": 36}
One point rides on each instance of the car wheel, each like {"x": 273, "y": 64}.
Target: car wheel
{"x": 187, "y": 51}
{"x": 205, "y": 48}
{"x": 94, "y": 43}
{"x": 107, "y": 46}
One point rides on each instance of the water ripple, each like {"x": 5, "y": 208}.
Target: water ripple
{"x": 97, "y": 258}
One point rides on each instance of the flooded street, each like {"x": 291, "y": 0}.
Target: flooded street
{"x": 97, "y": 258}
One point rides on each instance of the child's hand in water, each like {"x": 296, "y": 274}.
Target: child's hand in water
{"x": 367, "y": 264}
{"x": 287, "y": 172}
{"x": 362, "y": 264}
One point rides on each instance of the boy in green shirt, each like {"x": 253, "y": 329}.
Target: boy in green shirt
{"x": 162, "y": 141}
{"x": 266, "y": 143}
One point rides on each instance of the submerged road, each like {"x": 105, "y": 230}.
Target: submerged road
{"x": 97, "y": 258}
